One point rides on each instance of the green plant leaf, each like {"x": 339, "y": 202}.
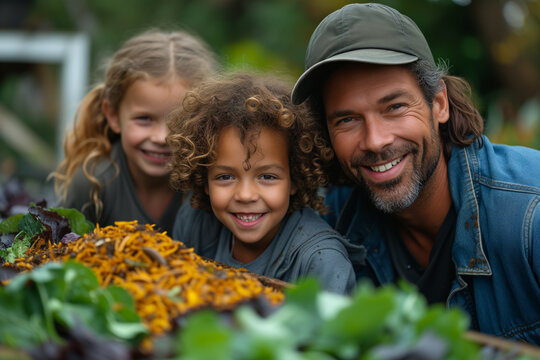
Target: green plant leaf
{"x": 77, "y": 221}
{"x": 30, "y": 225}
{"x": 17, "y": 328}
{"x": 68, "y": 294}
{"x": 205, "y": 337}
{"x": 20, "y": 244}
{"x": 11, "y": 224}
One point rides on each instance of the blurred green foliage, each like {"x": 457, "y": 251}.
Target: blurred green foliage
{"x": 491, "y": 43}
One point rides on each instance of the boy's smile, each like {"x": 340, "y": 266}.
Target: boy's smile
{"x": 250, "y": 200}
{"x": 248, "y": 219}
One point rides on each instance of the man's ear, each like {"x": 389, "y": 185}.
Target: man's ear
{"x": 441, "y": 109}
{"x": 111, "y": 115}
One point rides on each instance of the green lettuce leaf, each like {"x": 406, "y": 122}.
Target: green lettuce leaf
{"x": 10, "y": 224}
{"x": 77, "y": 221}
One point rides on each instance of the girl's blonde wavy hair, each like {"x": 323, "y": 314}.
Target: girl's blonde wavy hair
{"x": 247, "y": 102}
{"x": 155, "y": 55}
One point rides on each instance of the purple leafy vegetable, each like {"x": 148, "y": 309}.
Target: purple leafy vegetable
{"x": 56, "y": 224}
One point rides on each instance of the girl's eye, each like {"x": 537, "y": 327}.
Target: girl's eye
{"x": 143, "y": 118}
{"x": 268, "y": 177}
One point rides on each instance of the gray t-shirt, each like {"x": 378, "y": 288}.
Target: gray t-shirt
{"x": 120, "y": 201}
{"x": 305, "y": 245}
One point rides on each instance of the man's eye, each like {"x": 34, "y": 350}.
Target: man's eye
{"x": 395, "y": 107}
{"x": 344, "y": 120}
{"x": 339, "y": 123}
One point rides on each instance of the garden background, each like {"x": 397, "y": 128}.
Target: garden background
{"x": 495, "y": 44}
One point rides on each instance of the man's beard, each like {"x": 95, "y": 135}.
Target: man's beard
{"x": 395, "y": 195}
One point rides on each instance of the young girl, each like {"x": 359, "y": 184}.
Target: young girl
{"x": 116, "y": 155}
{"x": 253, "y": 163}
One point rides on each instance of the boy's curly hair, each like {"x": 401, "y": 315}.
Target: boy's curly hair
{"x": 246, "y": 101}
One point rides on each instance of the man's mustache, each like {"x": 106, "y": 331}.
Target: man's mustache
{"x": 370, "y": 158}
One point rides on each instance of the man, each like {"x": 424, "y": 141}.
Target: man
{"x": 435, "y": 202}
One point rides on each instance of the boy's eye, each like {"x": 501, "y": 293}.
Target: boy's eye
{"x": 268, "y": 177}
{"x": 224, "y": 177}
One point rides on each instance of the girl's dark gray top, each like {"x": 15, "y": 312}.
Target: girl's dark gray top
{"x": 120, "y": 201}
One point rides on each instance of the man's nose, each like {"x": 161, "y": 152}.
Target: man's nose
{"x": 376, "y": 134}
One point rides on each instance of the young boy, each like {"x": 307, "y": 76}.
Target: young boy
{"x": 253, "y": 164}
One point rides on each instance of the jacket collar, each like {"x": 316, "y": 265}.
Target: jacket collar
{"x": 361, "y": 221}
{"x": 463, "y": 173}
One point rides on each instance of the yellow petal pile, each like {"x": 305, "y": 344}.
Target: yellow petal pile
{"x": 165, "y": 278}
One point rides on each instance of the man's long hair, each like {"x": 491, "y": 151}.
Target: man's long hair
{"x": 465, "y": 124}
{"x": 464, "y": 127}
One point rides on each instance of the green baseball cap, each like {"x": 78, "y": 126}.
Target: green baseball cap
{"x": 371, "y": 33}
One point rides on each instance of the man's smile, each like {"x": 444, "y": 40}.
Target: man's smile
{"x": 387, "y": 166}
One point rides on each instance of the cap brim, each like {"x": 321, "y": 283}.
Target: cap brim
{"x": 311, "y": 77}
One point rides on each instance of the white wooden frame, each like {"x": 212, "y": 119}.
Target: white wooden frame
{"x": 71, "y": 51}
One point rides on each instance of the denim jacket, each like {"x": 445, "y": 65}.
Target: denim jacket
{"x": 496, "y": 193}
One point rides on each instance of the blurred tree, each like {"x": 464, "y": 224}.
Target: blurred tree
{"x": 511, "y": 45}
{"x": 510, "y": 32}
{"x": 491, "y": 43}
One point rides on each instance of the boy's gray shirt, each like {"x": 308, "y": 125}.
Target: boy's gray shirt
{"x": 305, "y": 245}
{"x": 120, "y": 201}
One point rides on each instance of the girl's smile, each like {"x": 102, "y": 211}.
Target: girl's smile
{"x": 158, "y": 157}
{"x": 141, "y": 122}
